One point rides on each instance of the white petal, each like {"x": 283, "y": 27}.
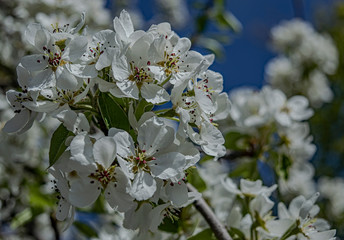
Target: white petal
{"x": 105, "y": 59}
{"x": 178, "y": 193}
{"x": 82, "y": 70}
{"x": 129, "y": 88}
{"x": 116, "y": 193}
{"x": 120, "y": 67}
{"x": 43, "y": 79}
{"x": 204, "y": 101}
{"x": 167, "y": 165}
{"x": 154, "y": 136}
{"x": 138, "y": 218}
{"x": 45, "y": 106}
{"x": 65, "y": 80}
{"x": 123, "y": 25}
{"x": 83, "y": 193}
{"x": 63, "y": 209}
{"x": 104, "y": 151}
{"x": 124, "y": 142}
{"x": 81, "y": 149}
{"x": 75, "y": 49}
{"x": 17, "y": 122}
{"x": 154, "y": 93}
{"x": 144, "y": 186}
{"x": 34, "y": 62}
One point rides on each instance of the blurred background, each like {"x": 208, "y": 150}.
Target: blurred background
{"x": 239, "y": 34}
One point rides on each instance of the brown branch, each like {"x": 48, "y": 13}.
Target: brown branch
{"x": 53, "y": 223}
{"x": 216, "y": 226}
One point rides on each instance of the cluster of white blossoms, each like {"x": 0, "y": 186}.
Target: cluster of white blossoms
{"x": 249, "y": 210}
{"x": 306, "y": 58}
{"x": 273, "y": 129}
{"x": 332, "y": 189}
{"x": 113, "y": 82}
{"x": 15, "y": 15}
{"x": 298, "y": 221}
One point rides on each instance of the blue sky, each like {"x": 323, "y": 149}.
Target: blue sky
{"x": 247, "y": 55}
{"x": 249, "y": 52}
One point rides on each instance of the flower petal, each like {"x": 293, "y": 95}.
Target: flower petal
{"x": 144, "y": 186}
{"x": 104, "y": 151}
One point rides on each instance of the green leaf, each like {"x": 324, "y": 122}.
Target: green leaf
{"x": 201, "y": 23}
{"x": 85, "y": 229}
{"x": 246, "y": 169}
{"x": 142, "y": 107}
{"x": 206, "y": 234}
{"x": 169, "y": 226}
{"x": 168, "y": 113}
{"x": 57, "y": 143}
{"x": 212, "y": 45}
{"x": 38, "y": 199}
{"x": 112, "y": 113}
{"x": 236, "y": 234}
{"x": 284, "y": 165}
{"x": 195, "y": 179}
{"x": 21, "y": 218}
{"x": 236, "y": 140}
{"x": 229, "y": 21}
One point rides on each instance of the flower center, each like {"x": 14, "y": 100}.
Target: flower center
{"x": 139, "y": 75}
{"x": 54, "y": 57}
{"x": 140, "y": 161}
{"x": 170, "y": 64}
{"x": 104, "y": 176}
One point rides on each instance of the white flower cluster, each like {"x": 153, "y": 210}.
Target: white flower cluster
{"x": 298, "y": 221}
{"x": 16, "y": 14}
{"x": 140, "y": 164}
{"x": 333, "y": 190}
{"x": 306, "y": 58}
{"x": 277, "y": 132}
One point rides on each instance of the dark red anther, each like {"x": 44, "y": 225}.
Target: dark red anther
{"x": 148, "y": 63}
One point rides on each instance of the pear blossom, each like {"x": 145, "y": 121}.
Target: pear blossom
{"x": 156, "y": 156}
{"x": 303, "y": 212}
{"x": 92, "y": 169}
{"x": 57, "y": 51}
{"x": 248, "y": 188}
{"x": 306, "y": 58}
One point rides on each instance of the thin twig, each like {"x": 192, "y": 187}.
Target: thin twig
{"x": 53, "y": 223}
{"x": 216, "y": 226}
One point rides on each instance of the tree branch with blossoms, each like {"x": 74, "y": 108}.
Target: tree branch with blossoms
{"x": 137, "y": 111}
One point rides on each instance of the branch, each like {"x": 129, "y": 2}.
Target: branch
{"x": 219, "y": 230}
{"x": 54, "y": 226}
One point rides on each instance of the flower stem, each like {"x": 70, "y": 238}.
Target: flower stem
{"x": 216, "y": 226}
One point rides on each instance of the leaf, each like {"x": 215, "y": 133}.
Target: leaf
{"x": 169, "y": 226}
{"x": 85, "y": 229}
{"x": 206, "y": 234}
{"x": 233, "y": 138}
{"x": 229, "y": 21}
{"x": 57, "y": 143}
{"x": 245, "y": 169}
{"x": 38, "y": 199}
{"x": 21, "y": 218}
{"x": 284, "y": 165}
{"x": 195, "y": 179}
{"x": 112, "y": 114}
{"x": 212, "y": 45}
{"x": 236, "y": 233}
{"x": 168, "y": 113}
{"x": 143, "y": 107}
